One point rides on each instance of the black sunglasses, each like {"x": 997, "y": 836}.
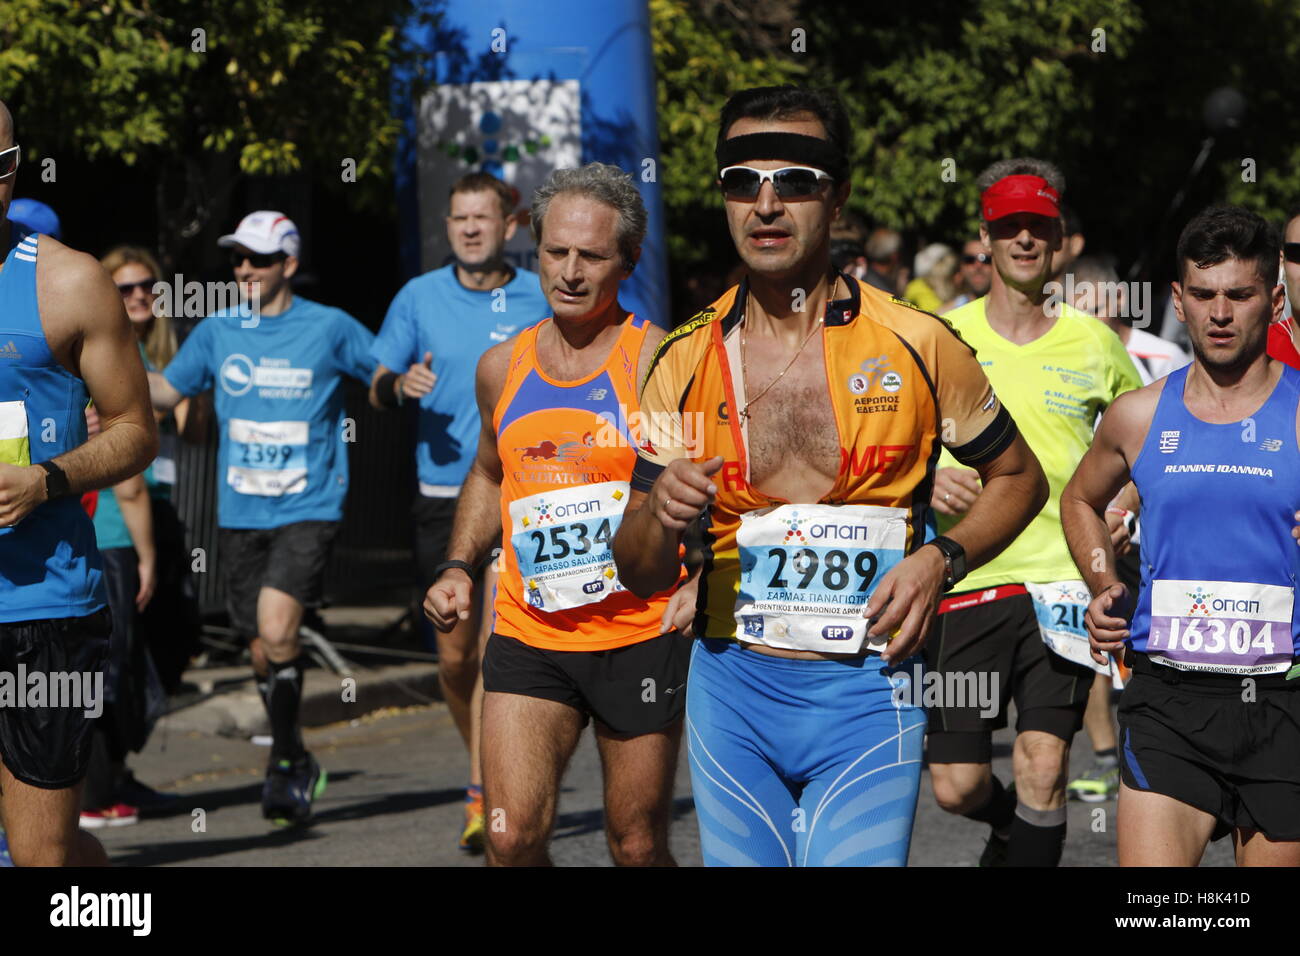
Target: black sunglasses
{"x": 144, "y": 285}
{"x": 982, "y": 257}
{"x": 9, "y": 161}
{"x": 1292, "y": 252}
{"x": 258, "y": 260}
{"x": 790, "y": 182}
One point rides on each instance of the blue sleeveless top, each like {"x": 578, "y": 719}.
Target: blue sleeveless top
{"x": 1219, "y": 565}
{"x": 49, "y": 566}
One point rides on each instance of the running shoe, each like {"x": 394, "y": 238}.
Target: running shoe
{"x": 118, "y": 815}
{"x": 472, "y": 839}
{"x": 995, "y": 851}
{"x": 1100, "y": 783}
{"x": 291, "y": 786}
{"x": 131, "y": 791}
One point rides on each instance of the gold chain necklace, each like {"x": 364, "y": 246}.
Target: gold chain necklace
{"x": 744, "y": 369}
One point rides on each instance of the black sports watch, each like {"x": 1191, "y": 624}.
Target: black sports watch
{"x": 56, "y": 482}
{"x": 954, "y": 560}
{"x": 448, "y": 565}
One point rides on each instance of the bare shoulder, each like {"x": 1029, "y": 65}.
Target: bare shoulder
{"x": 1125, "y": 424}
{"x": 74, "y": 290}
{"x": 1136, "y": 408}
{"x": 493, "y": 368}
{"x": 653, "y": 336}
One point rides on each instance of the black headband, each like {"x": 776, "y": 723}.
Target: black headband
{"x": 793, "y": 147}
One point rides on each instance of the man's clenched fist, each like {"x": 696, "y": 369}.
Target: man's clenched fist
{"x": 447, "y": 603}
{"x": 683, "y": 490}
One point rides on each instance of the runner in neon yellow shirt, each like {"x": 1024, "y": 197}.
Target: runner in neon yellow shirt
{"x": 1017, "y": 626}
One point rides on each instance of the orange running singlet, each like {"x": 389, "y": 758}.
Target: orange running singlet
{"x": 796, "y": 575}
{"x": 567, "y": 452}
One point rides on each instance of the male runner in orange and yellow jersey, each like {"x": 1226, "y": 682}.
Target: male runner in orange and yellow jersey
{"x": 824, "y": 405}
{"x": 556, "y": 452}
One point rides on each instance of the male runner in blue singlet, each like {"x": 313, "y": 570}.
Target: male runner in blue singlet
{"x": 1209, "y": 724}
{"x": 64, "y": 339}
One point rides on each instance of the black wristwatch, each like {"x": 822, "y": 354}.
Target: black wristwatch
{"x": 56, "y": 482}
{"x": 954, "y": 560}
{"x": 448, "y": 565}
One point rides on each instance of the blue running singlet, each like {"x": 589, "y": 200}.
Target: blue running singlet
{"x": 802, "y": 762}
{"x": 1219, "y": 564}
{"x": 49, "y": 565}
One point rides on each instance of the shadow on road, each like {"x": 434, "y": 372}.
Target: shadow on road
{"x": 201, "y": 847}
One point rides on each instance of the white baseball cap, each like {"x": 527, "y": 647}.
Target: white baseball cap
{"x": 265, "y": 231}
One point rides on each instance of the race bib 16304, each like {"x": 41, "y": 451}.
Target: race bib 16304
{"x": 1225, "y": 627}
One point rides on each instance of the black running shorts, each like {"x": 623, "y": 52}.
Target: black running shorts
{"x": 46, "y": 742}
{"x": 433, "y": 520}
{"x": 1000, "y": 639}
{"x": 1214, "y": 743}
{"x": 290, "y": 558}
{"x": 632, "y": 690}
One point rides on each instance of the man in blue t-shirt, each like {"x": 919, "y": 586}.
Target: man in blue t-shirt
{"x": 278, "y": 362}
{"x": 437, "y": 328}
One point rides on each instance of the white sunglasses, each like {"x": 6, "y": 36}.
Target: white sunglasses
{"x": 790, "y": 182}
{"x": 9, "y": 161}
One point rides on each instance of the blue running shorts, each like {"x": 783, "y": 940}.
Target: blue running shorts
{"x": 802, "y": 763}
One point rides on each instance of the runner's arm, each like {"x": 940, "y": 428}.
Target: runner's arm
{"x": 106, "y": 356}
{"x": 647, "y": 547}
{"x": 137, "y": 514}
{"x": 162, "y": 394}
{"x": 1015, "y": 490}
{"x": 1101, "y": 475}
{"x": 477, "y": 525}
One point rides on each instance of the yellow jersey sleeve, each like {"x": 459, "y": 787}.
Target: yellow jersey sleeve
{"x": 973, "y": 424}
{"x": 663, "y": 393}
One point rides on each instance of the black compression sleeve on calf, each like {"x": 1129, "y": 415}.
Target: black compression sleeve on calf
{"x": 1037, "y": 837}
{"x": 386, "y": 390}
{"x": 284, "y": 701}
{"x": 999, "y": 811}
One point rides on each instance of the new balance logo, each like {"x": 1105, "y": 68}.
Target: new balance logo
{"x": 1271, "y": 444}
{"x": 597, "y": 394}
{"x": 10, "y": 351}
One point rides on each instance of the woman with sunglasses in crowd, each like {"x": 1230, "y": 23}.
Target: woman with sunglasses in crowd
{"x": 155, "y": 615}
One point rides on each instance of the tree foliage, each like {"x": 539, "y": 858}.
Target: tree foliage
{"x": 1110, "y": 90}
{"x": 208, "y": 90}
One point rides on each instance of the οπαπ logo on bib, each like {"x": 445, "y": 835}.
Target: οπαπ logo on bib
{"x": 236, "y": 374}
{"x": 1199, "y": 598}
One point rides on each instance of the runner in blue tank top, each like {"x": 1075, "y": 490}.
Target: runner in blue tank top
{"x": 282, "y": 470}
{"x": 1209, "y": 724}
{"x": 64, "y": 339}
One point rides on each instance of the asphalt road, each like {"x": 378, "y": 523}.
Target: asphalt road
{"x": 396, "y": 783}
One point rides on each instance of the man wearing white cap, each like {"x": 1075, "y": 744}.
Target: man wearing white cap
{"x": 282, "y": 465}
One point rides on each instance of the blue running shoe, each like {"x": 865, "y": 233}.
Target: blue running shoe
{"x": 291, "y": 786}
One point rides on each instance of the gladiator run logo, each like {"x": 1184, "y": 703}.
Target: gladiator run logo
{"x": 570, "y": 449}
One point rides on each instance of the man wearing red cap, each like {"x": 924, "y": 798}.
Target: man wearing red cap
{"x": 1017, "y": 625}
